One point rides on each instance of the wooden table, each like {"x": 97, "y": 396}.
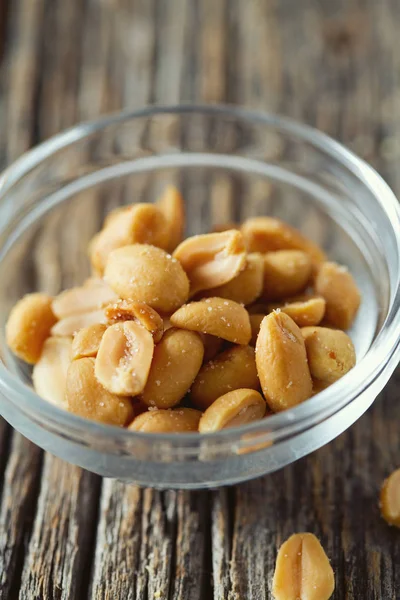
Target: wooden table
{"x": 335, "y": 64}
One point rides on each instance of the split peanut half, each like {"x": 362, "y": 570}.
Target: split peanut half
{"x": 232, "y": 410}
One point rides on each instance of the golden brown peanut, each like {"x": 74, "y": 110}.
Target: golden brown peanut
{"x": 286, "y": 273}
{"x": 69, "y": 326}
{"x": 330, "y": 353}
{"x": 334, "y": 283}
{"x": 124, "y": 358}
{"x": 282, "y": 362}
{"x": 176, "y": 362}
{"x": 87, "y": 341}
{"x": 147, "y": 274}
{"x": 255, "y": 322}
{"x": 305, "y": 311}
{"x": 50, "y": 372}
{"x": 28, "y": 326}
{"x": 129, "y": 310}
{"x": 223, "y": 318}
{"x": 212, "y": 259}
{"x": 137, "y": 224}
{"x": 245, "y": 287}
{"x": 177, "y": 420}
{"x": 212, "y": 345}
{"x": 232, "y": 410}
{"x": 235, "y": 368}
{"x": 267, "y": 234}
{"x": 93, "y": 295}
{"x": 172, "y": 206}
{"x": 302, "y": 571}
{"x": 86, "y": 397}
{"x": 390, "y": 499}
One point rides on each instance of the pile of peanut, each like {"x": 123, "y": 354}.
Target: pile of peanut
{"x": 210, "y": 332}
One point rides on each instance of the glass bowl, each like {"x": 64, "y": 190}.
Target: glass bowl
{"x": 230, "y": 164}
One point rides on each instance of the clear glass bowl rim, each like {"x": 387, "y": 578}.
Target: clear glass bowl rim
{"x": 278, "y": 426}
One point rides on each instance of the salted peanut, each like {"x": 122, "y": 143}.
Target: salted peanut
{"x": 246, "y": 287}
{"x": 223, "y": 318}
{"x": 28, "y": 326}
{"x": 137, "y": 224}
{"x": 303, "y": 570}
{"x": 128, "y": 310}
{"x": 286, "y": 273}
{"x": 330, "y": 353}
{"x": 235, "y": 368}
{"x": 390, "y": 499}
{"x": 172, "y": 206}
{"x": 306, "y": 311}
{"x": 334, "y": 283}
{"x": 147, "y": 274}
{"x": 212, "y": 346}
{"x": 225, "y": 227}
{"x": 87, "y": 341}
{"x": 86, "y": 397}
{"x": 255, "y": 322}
{"x": 177, "y": 420}
{"x": 94, "y": 294}
{"x": 232, "y": 410}
{"x": 50, "y": 372}
{"x": 69, "y": 326}
{"x": 176, "y": 362}
{"x": 267, "y": 234}
{"x": 124, "y": 358}
{"x": 281, "y": 361}
{"x": 212, "y": 259}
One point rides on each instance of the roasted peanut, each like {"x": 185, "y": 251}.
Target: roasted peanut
{"x": 330, "y": 353}
{"x": 245, "y": 287}
{"x": 235, "y": 368}
{"x": 334, "y": 283}
{"x": 176, "y": 362}
{"x": 50, "y": 372}
{"x": 212, "y": 345}
{"x": 304, "y": 311}
{"x": 232, "y": 410}
{"x": 69, "y": 326}
{"x": 87, "y": 298}
{"x": 286, "y": 273}
{"x": 390, "y": 499}
{"x": 85, "y": 396}
{"x": 255, "y": 322}
{"x": 147, "y": 274}
{"x": 302, "y": 571}
{"x": 177, "y": 420}
{"x": 267, "y": 234}
{"x": 223, "y": 318}
{"x": 137, "y": 224}
{"x": 124, "y": 358}
{"x": 212, "y": 259}
{"x": 87, "y": 341}
{"x": 220, "y": 227}
{"x": 171, "y": 205}
{"x": 28, "y": 326}
{"x": 282, "y": 362}
{"x": 128, "y": 310}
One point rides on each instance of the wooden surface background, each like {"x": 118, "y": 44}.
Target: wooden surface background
{"x": 335, "y": 64}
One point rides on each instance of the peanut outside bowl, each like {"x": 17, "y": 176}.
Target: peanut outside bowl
{"x": 230, "y": 164}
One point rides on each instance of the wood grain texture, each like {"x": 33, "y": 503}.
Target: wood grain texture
{"x": 64, "y": 533}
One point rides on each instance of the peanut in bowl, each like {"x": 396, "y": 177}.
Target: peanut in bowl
{"x": 230, "y": 165}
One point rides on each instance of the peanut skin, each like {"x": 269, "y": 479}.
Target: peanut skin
{"x": 282, "y": 362}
